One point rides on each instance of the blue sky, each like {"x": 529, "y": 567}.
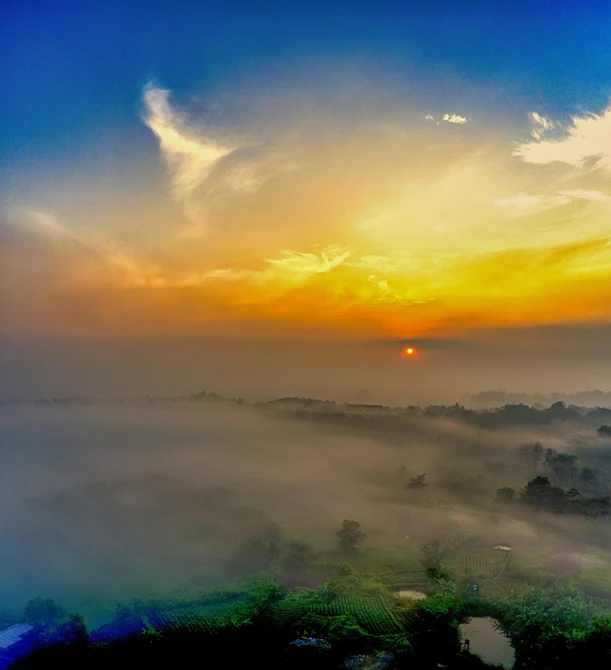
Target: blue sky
{"x": 73, "y": 72}
{"x": 71, "y": 67}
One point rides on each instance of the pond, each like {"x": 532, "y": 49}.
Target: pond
{"x": 487, "y": 642}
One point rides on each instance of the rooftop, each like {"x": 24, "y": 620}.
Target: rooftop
{"x": 9, "y": 636}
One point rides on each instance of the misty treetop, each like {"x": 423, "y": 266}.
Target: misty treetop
{"x": 350, "y": 535}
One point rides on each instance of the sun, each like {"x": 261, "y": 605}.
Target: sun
{"x": 409, "y": 351}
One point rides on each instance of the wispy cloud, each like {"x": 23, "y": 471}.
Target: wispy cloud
{"x": 310, "y": 263}
{"x": 522, "y": 204}
{"x": 291, "y": 267}
{"x": 47, "y": 222}
{"x": 204, "y": 166}
{"x": 374, "y": 262}
{"x": 588, "y": 138}
{"x": 595, "y": 196}
{"x": 81, "y": 251}
{"x": 228, "y": 273}
{"x": 190, "y": 156}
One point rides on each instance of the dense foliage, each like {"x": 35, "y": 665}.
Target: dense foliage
{"x": 350, "y": 615}
{"x": 555, "y": 628}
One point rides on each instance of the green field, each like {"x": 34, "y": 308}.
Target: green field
{"x": 372, "y": 613}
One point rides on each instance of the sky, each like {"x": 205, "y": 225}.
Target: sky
{"x": 365, "y": 175}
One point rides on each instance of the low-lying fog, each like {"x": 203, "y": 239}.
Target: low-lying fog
{"x": 106, "y": 503}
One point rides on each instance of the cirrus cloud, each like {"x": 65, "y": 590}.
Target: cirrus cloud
{"x": 205, "y": 165}
{"x": 588, "y": 138}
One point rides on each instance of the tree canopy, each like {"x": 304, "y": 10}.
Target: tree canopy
{"x": 350, "y": 535}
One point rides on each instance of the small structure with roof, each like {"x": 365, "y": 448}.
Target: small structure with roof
{"x": 9, "y": 636}
{"x": 15, "y": 641}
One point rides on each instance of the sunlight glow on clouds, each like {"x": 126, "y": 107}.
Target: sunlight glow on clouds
{"x": 541, "y": 125}
{"x": 305, "y": 264}
{"x": 330, "y": 228}
{"x": 588, "y": 137}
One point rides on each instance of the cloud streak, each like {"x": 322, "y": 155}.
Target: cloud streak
{"x": 190, "y": 157}
{"x": 587, "y": 139}
{"x": 204, "y": 167}
{"x": 593, "y": 196}
{"x": 307, "y": 264}
{"x": 522, "y": 204}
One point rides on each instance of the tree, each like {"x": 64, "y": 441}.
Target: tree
{"x": 596, "y": 507}
{"x": 564, "y": 466}
{"x": 540, "y": 493}
{"x": 587, "y": 475}
{"x": 542, "y": 624}
{"x": 534, "y": 451}
{"x": 588, "y": 479}
{"x": 344, "y": 570}
{"x": 73, "y": 631}
{"x": 604, "y": 431}
{"x": 537, "y": 452}
{"x": 417, "y": 481}
{"x": 350, "y": 535}
{"x": 44, "y": 612}
{"x": 505, "y": 494}
{"x": 430, "y": 557}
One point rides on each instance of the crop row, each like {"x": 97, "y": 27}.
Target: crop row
{"x": 285, "y": 613}
{"x": 478, "y": 565}
{"x": 204, "y": 618}
{"x": 370, "y": 612}
{"x": 120, "y": 630}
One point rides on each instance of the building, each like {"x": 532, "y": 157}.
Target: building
{"x": 15, "y": 641}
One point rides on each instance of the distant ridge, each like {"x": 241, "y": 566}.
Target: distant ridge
{"x": 501, "y": 397}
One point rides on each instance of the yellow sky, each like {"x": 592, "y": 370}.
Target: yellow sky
{"x": 430, "y": 223}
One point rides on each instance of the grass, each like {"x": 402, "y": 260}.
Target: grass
{"x": 594, "y": 578}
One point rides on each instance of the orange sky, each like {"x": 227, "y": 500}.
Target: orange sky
{"x": 339, "y": 223}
